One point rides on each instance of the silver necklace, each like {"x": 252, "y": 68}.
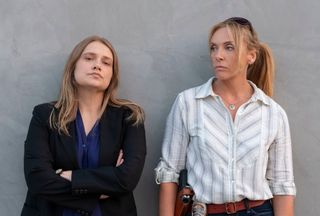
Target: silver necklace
{"x": 232, "y": 106}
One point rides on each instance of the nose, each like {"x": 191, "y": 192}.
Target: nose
{"x": 96, "y": 66}
{"x": 218, "y": 55}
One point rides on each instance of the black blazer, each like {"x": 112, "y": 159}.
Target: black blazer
{"x": 46, "y": 151}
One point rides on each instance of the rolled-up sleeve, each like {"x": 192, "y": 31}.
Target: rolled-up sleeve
{"x": 280, "y": 168}
{"x": 174, "y": 144}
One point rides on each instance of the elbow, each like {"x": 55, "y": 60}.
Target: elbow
{"x": 128, "y": 186}
{"x": 128, "y": 180}
{"x": 34, "y": 178}
{"x": 40, "y": 183}
{"x": 34, "y": 185}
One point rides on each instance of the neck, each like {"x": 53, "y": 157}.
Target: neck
{"x": 90, "y": 102}
{"x": 232, "y": 89}
{"x": 233, "y": 92}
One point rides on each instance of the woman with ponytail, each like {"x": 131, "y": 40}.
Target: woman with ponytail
{"x": 230, "y": 135}
{"x": 84, "y": 153}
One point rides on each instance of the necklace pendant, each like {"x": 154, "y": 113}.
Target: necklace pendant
{"x": 232, "y": 107}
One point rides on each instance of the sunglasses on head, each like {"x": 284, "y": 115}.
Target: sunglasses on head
{"x": 241, "y": 21}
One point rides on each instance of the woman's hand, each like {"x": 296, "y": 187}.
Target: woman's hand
{"x": 102, "y": 196}
{"x": 66, "y": 174}
{"x": 120, "y": 158}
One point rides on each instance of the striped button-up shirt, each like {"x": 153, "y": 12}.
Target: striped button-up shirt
{"x": 227, "y": 160}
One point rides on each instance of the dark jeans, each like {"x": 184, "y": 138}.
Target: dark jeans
{"x": 263, "y": 210}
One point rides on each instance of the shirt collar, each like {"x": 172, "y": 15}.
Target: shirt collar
{"x": 205, "y": 90}
{"x": 259, "y": 95}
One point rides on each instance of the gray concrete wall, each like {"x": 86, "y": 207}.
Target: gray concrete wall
{"x": 162, "y": 49}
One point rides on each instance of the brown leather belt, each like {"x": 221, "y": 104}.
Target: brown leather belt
{"x": 231, "y": 208}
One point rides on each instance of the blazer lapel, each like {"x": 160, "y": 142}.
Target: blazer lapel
{"x": 69, "y": 144}
{"x": 108, "y": 135}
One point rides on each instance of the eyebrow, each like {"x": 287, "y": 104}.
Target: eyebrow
{"x": 226, "y": 42}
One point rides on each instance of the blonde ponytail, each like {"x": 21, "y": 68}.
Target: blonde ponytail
{"x": 261, "y": 72}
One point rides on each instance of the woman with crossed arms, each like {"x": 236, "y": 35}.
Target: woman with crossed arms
{"x": 84, "y": 154}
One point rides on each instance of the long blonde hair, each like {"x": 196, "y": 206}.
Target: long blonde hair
{"x": 67, "y": 105}
{"x": 261, "y": 72}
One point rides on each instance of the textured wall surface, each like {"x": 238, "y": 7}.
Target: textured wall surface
{"x": 162, "y": 49}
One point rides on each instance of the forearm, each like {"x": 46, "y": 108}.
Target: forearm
{"x": 107, "y": 180}
{"x": 68, "y": 173}
{"x": 283, "y": 205}
{"x": 167, "y": 198}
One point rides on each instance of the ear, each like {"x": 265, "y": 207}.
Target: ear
{"x": 251, "y": 56}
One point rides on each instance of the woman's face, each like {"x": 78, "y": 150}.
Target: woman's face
{"x": 93, "y": 70}
{"x": 224, "y": 56}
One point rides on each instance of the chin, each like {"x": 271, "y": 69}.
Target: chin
{"x": 221, "y": 76}
{"x": 90, "y": 87}
{"x": 225, "y": 76}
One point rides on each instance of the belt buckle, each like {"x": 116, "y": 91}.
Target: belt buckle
{"x": 231, "y": 208}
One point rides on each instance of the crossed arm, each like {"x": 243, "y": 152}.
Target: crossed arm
{"x": 42, "y": 180}
{"x": 68, "y": 173}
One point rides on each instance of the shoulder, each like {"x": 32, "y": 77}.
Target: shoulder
{"x": 44, "y": 107}
{"x": 270, "y": 102}
{"x": 117, "y": 109}
{"x": 276, "y": 109}
{"x": 187, "y": 97}
{"x": 121, "y": 116}
{"x": 281, "y": 113}
{"x": 42, "y": 111}
{"x": 197, "y": 92}
{"x": 273, "y": 104}
{"x": 187, "y": 94}
{"x": 129, "y": 108}
{"x": 116, "y": 113}
{"x": 191, "y": 92}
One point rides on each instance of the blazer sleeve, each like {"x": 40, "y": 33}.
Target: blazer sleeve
{"x": 40, "y": 176}
{"x": 112, "y": 180}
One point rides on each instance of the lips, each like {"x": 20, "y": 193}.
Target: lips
{"x": 220, "y": 67}
{"x": 95, "y": 75}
